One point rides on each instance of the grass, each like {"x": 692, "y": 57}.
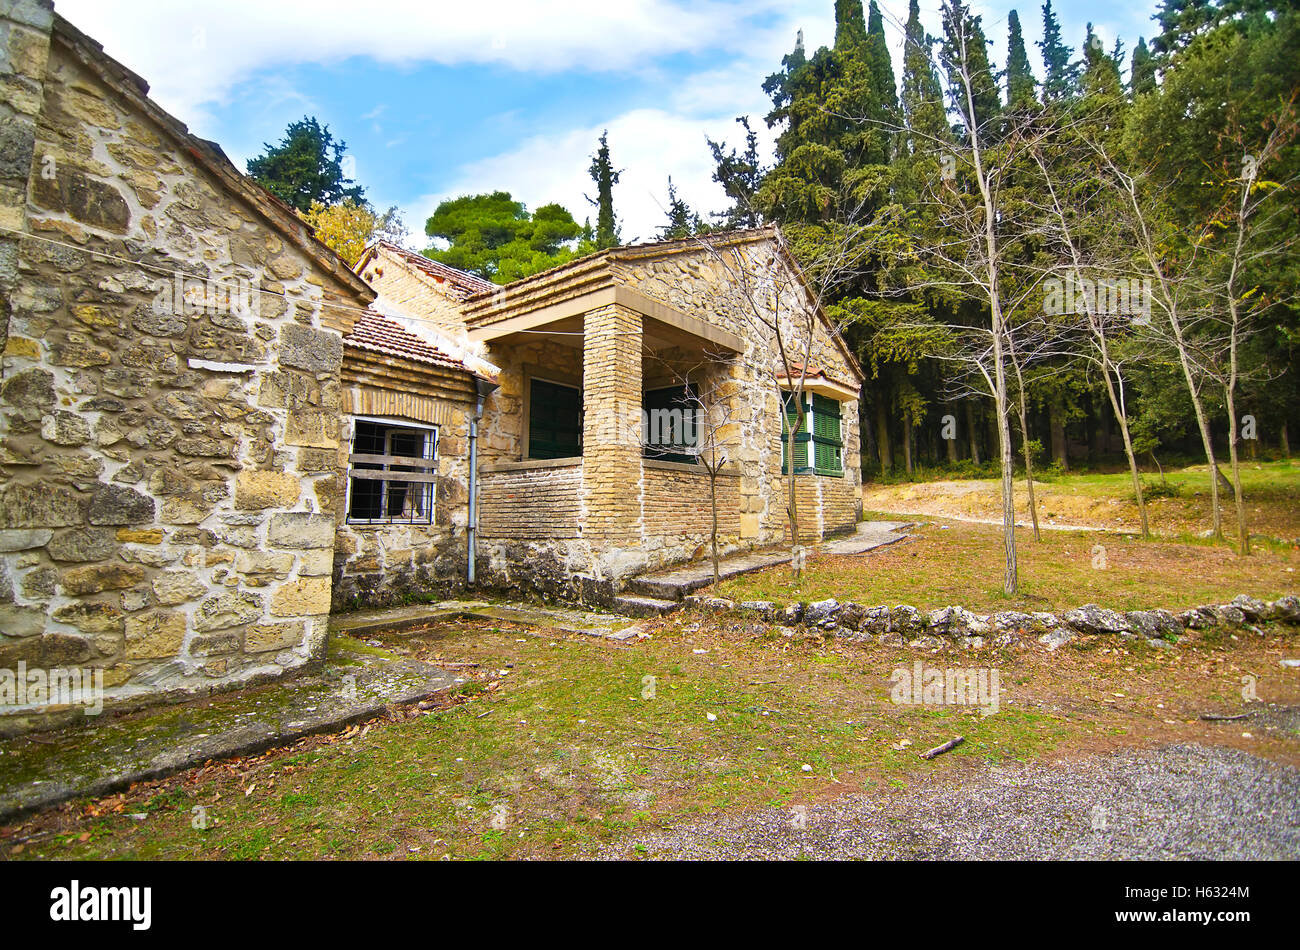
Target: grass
{"x": 562, "y": 747}
{"x": 1271, "y": 490}
{"x": 954, "y": 563}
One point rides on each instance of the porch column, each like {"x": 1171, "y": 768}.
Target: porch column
{"x": 611, "y": 429}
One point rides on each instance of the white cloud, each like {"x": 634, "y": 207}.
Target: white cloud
{"x": 193, "y": 54}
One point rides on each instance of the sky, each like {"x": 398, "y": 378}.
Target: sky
{"x": 438, "y": 99}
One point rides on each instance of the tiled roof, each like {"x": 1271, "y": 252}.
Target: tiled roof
{"x": 797, "y": 370}
{"x": 379, "y": 334}
{"x": 462, "y": 284}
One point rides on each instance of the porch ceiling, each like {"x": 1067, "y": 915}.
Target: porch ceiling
{"x": 663, "y": 326}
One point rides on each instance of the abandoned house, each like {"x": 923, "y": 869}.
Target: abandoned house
{"x": 573, "y": 494}
{"x": 212, "y": 430}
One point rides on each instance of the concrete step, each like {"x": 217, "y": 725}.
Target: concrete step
{"x": 635, "y": 605}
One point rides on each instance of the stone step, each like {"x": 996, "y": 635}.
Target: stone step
{"x": 664, "y": 589}
{"x": 635, "y": 605}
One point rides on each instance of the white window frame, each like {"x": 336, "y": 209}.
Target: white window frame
{"x": 431, "y": 449}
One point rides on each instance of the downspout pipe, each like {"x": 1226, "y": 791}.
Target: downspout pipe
{"x": 482, "y": 389}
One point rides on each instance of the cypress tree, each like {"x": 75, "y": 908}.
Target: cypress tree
{"x": 961, "y": 30}
{"x": 882, "y": 68}
{"x": 1059, "y": 73}
{"x": 603, "y": 174}
{"x": 922, "y": 95}
{"x": 850, "y": 27}
{"x": 1021, "y": 84}
{"x": 1142, "y": 71}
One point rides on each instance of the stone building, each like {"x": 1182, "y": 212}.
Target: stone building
{"x": 171, "y": 397}
{"x": 574, "y": 497}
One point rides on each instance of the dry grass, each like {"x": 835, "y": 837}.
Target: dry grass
{"x": 953, "y": 563}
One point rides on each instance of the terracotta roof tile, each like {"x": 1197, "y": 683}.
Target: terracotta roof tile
{"x": 379, "y": 334}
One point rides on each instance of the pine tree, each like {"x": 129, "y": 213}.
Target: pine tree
{"x": 605, "y": 177}
{"x": 682, "y": 222}
{"x": 1182, "y": 20}
{"x": 1021, "y": 84}
{"x": 1060, "y": 75}
{"x": 305, "y": 168}
{"x": 837, "y": 123}
{"x": 740, "y": 175}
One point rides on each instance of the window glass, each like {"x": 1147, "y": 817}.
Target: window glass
{"x": 554, "y": 420}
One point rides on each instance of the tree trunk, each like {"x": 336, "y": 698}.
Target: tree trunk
{"x": 1286, "y": 442}
{"x": 907, "y": 443}
{"x": 1239, "y": 501}
{"x": 882, "y": 439}
{"x": 1122, "y": 418}
{"x": 1060, "y": 448}
{"x": 1207, "y": 442}
{"x": 1029, "y": 461}
{"x": 713, "y": 503}
{"x": 970, "y": 430}
{"x": 796, "y": 562}
{"x": 950, "y": 445}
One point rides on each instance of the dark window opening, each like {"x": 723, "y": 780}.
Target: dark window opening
{"x": 554, "y": 420}
{"x": 670, "y": 424}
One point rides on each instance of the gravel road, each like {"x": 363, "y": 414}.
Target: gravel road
{"x": 1186, "y": 801}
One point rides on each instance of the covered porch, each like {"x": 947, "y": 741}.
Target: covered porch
{"x": 598, "y": 425}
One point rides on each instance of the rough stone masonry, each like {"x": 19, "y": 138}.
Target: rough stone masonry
{"x": 169, "y": 391}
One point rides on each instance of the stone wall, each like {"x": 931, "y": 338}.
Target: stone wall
{"x": 902, "y": 624}
{"x": 168, "y": 447}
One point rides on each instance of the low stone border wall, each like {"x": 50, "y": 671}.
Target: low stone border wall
{"x": 902, "y": 624}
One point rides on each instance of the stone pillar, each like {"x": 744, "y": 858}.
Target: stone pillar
{"x": 611, "y": 445}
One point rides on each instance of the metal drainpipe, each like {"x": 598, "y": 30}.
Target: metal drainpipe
{"x": 483, "y": 388}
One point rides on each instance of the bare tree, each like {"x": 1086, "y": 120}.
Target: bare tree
{"x": 1253, "y": 239}
{"x": 1175, "y": 294}
{"x": 1100, "y": 319}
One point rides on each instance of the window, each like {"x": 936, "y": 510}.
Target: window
{"x": 554, "y": 420}
{"x": 391, "y": 474}
{"x": 821, "y": 430}
{"x": 670, "y": 424}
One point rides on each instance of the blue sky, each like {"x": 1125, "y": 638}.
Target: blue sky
{"x": 436, "y": 99}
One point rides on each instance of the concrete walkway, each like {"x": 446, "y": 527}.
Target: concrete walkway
{"x": 364, "y": 623}
{"x": 661, "y": 591}
{"x": 354, "y": 685}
